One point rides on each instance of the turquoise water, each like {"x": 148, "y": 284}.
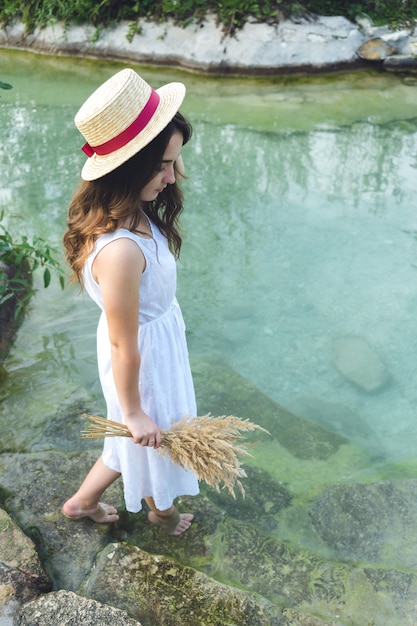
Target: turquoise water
{"x": 300, "y": 227}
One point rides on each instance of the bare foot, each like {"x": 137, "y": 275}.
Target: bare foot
{"x": 174, "y": 523}
{"x": 101, "y": 513}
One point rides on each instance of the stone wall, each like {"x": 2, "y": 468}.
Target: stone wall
{"x": 322, "y": 44}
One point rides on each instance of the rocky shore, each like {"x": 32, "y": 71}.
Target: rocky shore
{"x": 324, "y": 544}
{"x": 320, "y": 44}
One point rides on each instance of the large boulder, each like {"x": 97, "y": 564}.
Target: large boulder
{"x": 65, "y": 608}
{"x": 158, "y": 590}
{"x": 22, "y": 576}
{"x": 34, "y": 488}
{"x": 375, "y": 49}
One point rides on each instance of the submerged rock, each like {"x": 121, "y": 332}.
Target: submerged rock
{"x": 360, "y": 363}
{"x": 221, "y": 391}
{"x": 373, "y": 522}
{"x": 264, "y": 500}
{"x": 293, "y": 617}
{"x": 342, "y": 420}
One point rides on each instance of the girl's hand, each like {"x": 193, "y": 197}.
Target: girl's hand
{"x": 144, "y": 430}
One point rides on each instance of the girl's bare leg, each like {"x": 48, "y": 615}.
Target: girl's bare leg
{"x": 173, "y": 522}
{"x": 86, "y": 502}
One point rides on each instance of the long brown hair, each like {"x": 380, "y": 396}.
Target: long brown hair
{"x": 108, "y": 203}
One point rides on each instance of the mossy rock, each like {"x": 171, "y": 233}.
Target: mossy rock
{"x": 62, "y": 431}
{"x": 373, "y": 522}
{"x": 22, "y": 577}
{"x": 18, "y": 552}
{"x": 157, "y": 590}
{"x": 263, "y": 501}
{"x": 66, "y": 607}
{"x": 34, "y": 487}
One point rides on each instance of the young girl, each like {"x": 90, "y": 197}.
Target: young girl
{"x": 121, "y": 244}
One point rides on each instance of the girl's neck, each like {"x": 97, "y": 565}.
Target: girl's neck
{"x": 143, "y": 228}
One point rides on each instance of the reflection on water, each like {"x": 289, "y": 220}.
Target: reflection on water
{"x": 309, "y": 237}
{"x": 300, "y": 246}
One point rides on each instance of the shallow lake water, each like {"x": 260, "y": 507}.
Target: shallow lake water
{"x": 300, "y": 228}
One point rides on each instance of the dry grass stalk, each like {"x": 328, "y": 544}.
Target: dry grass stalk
{"x": 207, "y": 445}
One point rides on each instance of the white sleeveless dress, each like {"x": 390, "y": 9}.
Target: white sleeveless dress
{"x": 165, "y": 381}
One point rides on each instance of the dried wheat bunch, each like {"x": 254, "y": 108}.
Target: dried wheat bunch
{"x": 207, "y": 445}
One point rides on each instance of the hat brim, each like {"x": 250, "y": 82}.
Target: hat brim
{"x": 171, "y": 97}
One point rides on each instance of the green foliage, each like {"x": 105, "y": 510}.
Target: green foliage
{"x": 231, "y": 13}
{"x": 19, "y": 260}
{"x": 394, "y": 12}
{"x": 134, "y": 29}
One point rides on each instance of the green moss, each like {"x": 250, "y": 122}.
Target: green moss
{"x": 348, "y": 464}
{"x": 397, "y": 470}
{"x": 156, "y": 590}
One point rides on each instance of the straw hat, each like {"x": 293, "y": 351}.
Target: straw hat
{"x": 121, "y": 117}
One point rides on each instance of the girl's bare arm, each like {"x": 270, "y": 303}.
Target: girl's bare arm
{"x": 118, "y": 269}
